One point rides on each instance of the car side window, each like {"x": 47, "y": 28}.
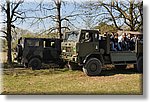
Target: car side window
{"x": 33, "y": 42}
{"x": 49, "y": 44}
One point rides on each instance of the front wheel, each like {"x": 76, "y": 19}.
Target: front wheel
{"x": 92, "y": 67}
{"x": 35, "y": 63}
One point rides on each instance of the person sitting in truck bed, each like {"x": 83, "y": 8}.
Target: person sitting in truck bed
{"x": 132, "y": 42}
{"x": 124, "y": 43}
{"x": 114, "y": 42}
{"x": 120, "y": 39}
{"x": 128, "y": 42}
{"x": 117, "y": 45}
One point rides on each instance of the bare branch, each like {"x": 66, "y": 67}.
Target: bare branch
{"x": 3, "y": 32}
{"x": 49, "y": 9}
{"x": 16, "y": 6}
{"x": 113, "y": 18}
{"x": 4, "y": 37}
{"x": 3, "y": 8}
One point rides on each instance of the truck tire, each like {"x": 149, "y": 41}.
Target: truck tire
{"x": 120, "y": 66}
{"x": 35, "y": 63}
{"x": 92, "y": 67}
{"x": 140, "y": 64}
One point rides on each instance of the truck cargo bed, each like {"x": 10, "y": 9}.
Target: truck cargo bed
{"x": 123, "y": 57}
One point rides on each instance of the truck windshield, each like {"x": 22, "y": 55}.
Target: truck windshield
{"x": 72, "y": 36}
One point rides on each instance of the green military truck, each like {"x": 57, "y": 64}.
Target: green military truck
{"x": 32, "y": 52}
{"x": 89, "y": 50}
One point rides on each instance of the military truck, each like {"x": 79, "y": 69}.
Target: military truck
{"x": 89, "y": 50}
{"x": 32, "y": 52}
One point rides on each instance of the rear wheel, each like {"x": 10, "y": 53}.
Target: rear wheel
{"x": 92, "y": 67}
{"x": 35, "y": 63}
{"x": 140, "y": 64}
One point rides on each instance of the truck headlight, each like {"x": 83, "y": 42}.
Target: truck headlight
{"x": 63, "y": 50}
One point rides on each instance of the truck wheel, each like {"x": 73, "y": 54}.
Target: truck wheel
{"x": 120, "y": 66}
{"x": 35, "y": 63}
{"x": 140, "y": 64}
{"x": 92, "y": 67}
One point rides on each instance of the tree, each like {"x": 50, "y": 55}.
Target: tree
{"x": 12, "y": 14}
{"x": 58, "y": 6}
{"x": 51, "y": 11}
{"x": 120, "y": 13}
{"x": 104, "y": 27}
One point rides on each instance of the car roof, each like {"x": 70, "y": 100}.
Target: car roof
{"x": 52, "y": 39}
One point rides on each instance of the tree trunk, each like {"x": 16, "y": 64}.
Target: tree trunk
{"x": 9, "y": 57}
{"x": 58, "y": 4}
{"x": 132, "y": 26}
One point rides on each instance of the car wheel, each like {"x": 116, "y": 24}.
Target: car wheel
{"x": 35, "y": 63}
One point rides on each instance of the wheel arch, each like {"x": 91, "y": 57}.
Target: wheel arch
{"x": 98, "y": 56}
{"x": 39, "y": 57}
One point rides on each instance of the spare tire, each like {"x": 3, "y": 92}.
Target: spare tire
{"x": 19, "y": 51}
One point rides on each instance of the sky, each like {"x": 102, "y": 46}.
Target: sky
{"x": 32, "y": 5}
{"x": 67, "y": 8}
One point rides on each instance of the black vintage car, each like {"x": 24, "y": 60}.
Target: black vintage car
{"x": 32, "y": 52}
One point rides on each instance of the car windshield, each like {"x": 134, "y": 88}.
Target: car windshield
{"x": 72, "y": 36}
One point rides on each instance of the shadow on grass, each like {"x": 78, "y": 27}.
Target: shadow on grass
{"x": 13, "y": 65}
{"x": 113, "y": 71}
{"x": 107, "y": 71}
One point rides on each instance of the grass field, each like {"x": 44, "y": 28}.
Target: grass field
{"x": 62, "y": 81}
